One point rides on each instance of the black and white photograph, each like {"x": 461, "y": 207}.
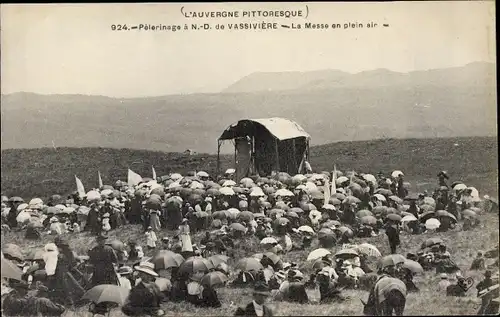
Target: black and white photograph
{"x": 249, "y": 159}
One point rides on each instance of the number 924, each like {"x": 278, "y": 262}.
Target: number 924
{"x": 119, "y": 27}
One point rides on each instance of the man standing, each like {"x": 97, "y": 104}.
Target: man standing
{"x": 104, "y": 259}
{"x": 392, "y": 233}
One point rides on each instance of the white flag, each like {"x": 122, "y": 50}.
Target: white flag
{"x": 100, "y": 180}
{"x": 334, "y": 180}
{"x": 133, "y": 178}
{"x": 79, "y": 187}
{"x": 327, "y": 192}
{"x": 154, "y": 172}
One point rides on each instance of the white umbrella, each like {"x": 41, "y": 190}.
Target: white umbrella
{"x": 474, "y": 192}
{"x": 256, "y": 192}
{"x": 396, "y": 173}
{"x": 174, "y": 185}
{"x": 310, "y": 186}
{"x": 459, "y": 187}
{"x": 22, "y": 206}
{"x": 35, "y": 203}
{"x": 409, "y": 218}
{"x": 202, "y": 174}
{"x": 432, "y": 223}
{"x": 23, "y": 216}
{"x": 299, "y": 178}
{"x": 196, "y": 185}
{"x": 284, "y": 192}
{"x": 175, "y": 176}
{"x": 269, "y": 240}
{"x": 229, "y": 183}
{"x": 233, "y": 212}
{"x": 368, "y": 249}
{"x": 370, "y": 178}
{"x": 306, "y": 229}
{"x": 318, "y": 253}
{"x": 226, "y": 191}
{"x": 328, "y": 207}
{"x": 316, "y": 177}
{"x": 106, "y": 192}
{"x": 341, "y": 179}
{"x": 380, "y": 197}
{"x": 93, "y": 195}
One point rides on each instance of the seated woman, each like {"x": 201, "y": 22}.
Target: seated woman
{"x": 328, "y": 289}
{"x": 145, "y": 297}
{"x": 209, "y": 298}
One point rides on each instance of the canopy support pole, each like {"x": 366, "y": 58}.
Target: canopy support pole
{"x": 219, "y": 143}
{"x": 294, "y": 153}
{"x": 235, "y": 153}
{"x": 277, "y": 156}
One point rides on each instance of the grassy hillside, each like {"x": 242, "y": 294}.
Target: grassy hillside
{"x": 473, "y": 160}
{"x": 43, "y": 172}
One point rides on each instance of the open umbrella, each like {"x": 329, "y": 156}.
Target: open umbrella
{"x": 413, "y": 266}
{"x": 380, "y": 197}
{"x": 10, "y": 270}
{"x": 412, "y": 196}
{"x": 351, "y": 200}
{"x": 368, "y": 249}
{"x": 292, "y": 214}
{"x": 165, "y": 259}
{"x": 277, "y": 213}
{"x": 318, "y": 253}
{"x": 220, "y": 214}
{"x": 469, "y": 213}
{"x": 409, "y": 218}
{"x": 306, "y": 229}
{"x": 226, "y": 191}
{"x": 213, "y": 279}
{"x": 297, "y": 210}
{"x": 391, "y": 259}
{"x": 379, "y": 210}
{"x": 368, "y": 220}
{"x": 35, "y": 255}
{"x": 346, "y": 231}
{"x": 268, "y": 240}
{"x": 326, "y": 233}
{"x": 346, "y": 253}
{"x": 396, "y": 173}
{"x": 370, "y": 178}
{"x": 281, "y": 221}
{"x": 107, "y": 293}
{"x": 394, "y": 217}
{"x": 229, "y": 183}
{"x": 444, "y": 213}
{"x": 237, "y": 227}
{"x": 195, "y": 264}
{"x": 284, "y": 193}
{"x": 363, "y": 213}
{"x": 249, "y": 264}
{"x": 432, "y": 224}
{"x": 13, "y": 251}
{"x": 396, "y": 199}
{"x": 232, "y": 213}
{"x": 431, "y": 242}
{"x": 341, "y": 179}
{"x": 426, "y": 215}
{"x": 245, "y": 216}
{"x": 429, "y": 201}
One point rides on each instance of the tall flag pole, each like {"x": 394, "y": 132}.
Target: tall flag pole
{"x": 100, "y": 179}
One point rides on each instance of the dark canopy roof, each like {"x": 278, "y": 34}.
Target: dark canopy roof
{"x": 280, "y": 128}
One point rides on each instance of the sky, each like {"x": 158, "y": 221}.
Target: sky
{"x": 71, "y": 49}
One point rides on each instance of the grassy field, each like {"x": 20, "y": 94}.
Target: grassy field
{"x": 473, "y": 160}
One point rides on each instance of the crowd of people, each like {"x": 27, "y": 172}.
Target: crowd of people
{"x": 283, "y": 213}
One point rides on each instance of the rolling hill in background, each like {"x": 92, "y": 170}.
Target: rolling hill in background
{"x": 330, "y": 105}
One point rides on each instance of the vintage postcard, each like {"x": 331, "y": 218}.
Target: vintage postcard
{"x": 249, "y": 159}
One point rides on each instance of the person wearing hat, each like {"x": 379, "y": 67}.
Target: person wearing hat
{"x": 489, "y": 300}
{"x": 485, "y": 283}
{"x": 145, "y": 297}
{"x": 392, "y": 233}
{"x": 327, "y": 288}
{"x": 478, "y": 264}
{"x": 443, "y": 283}
{"x": 124, "y": 277}
{"x": 442, "y": 177}
{"x": 294, "y": 289}
{"x": 258, "y": 306}
{"x": 104, "y": 260}
{"x": 185, "y": 237}
{"x": 66, "y": 289}
{"x": 151, "y": 238}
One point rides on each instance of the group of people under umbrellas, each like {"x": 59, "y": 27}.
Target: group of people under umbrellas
{"x": 284, "y": 213}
